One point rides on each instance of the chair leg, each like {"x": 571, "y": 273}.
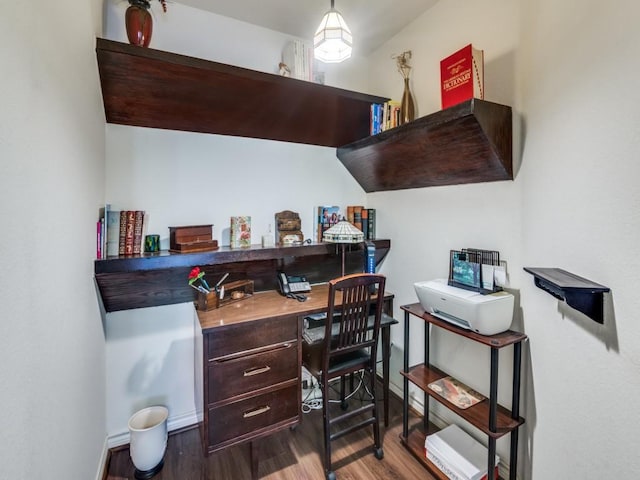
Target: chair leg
{"x": 377, "y": 439}
{"x": 327, "y": 429}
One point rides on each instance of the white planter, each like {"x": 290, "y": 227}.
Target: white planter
{"x": 148, "y": 442}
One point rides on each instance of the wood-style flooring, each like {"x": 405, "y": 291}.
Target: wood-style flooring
{"x": 286, "y": 455}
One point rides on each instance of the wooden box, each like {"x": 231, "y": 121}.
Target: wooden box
{"x": 233, "y": 292}
{"x": 193, "y": 238}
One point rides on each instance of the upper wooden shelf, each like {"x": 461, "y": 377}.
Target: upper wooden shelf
{"x": 154, "y": 279}
{"x": 151, "y": 88}
{"x": 466, "y": 143}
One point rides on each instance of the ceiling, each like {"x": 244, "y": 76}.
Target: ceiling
{"x": 372, "y": 22}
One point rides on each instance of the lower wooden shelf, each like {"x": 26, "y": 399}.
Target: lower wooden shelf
{"x": 414, "y": 442}
{"x": 477, "y": 415}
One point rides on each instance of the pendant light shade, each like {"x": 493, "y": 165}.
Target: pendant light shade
{"x": 332, "y": 41}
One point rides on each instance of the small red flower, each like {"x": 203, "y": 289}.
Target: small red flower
{"x": 195, "y": 275}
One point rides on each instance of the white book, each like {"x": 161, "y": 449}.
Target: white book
{"x": 446, "y": 467}
{"x": 462, "y": 450}
{"x": 443, "y": 467}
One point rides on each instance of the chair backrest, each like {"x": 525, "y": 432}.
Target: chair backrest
{"x": 353, "y": 299}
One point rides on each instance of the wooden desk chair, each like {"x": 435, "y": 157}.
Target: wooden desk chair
{"x": 351, "y": 349}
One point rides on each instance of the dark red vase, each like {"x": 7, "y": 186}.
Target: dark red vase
{"x": 139, "y": 24}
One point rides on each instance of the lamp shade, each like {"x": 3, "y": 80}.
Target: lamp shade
{"x": 343, "y": 232}
{"x": 332, "y": 41}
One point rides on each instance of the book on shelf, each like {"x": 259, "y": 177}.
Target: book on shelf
{"x": 384, "y": 116}
{"x": 357, "y": 216}
{"x": 456, "y": 392}
{"x": 327, "y": 216}
{"x": 125, "y": 232}
{"x": 364, "y": 219}
{"x": 130, "y": 222}
{"x": 460, "y": 452}
{"x": 297, "y": 55}
{"x": 240, "y": 231}
{"x": 371, "y": 224}
{"x": 462, "y": 76}
{"x": 113, "y": 233}
{"x": 105, "y": 216}
{"x": 137, "y": 232}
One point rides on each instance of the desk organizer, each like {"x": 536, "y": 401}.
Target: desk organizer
{"x": 233, "y": 292}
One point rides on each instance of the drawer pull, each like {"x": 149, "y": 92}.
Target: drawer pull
{"x": 256, "y": 371}
{"x": 257, "y": 411}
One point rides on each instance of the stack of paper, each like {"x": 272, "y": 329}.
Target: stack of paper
{"x": 458, "y": 455}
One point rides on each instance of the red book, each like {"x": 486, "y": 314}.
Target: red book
{"x": 128, "y": 236}
{"x": 462, "y": 76}
{"x": 123, "y": 232}
{"x": 137, "y": 231}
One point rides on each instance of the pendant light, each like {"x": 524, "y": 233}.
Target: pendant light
{"x": 332, "y": 41}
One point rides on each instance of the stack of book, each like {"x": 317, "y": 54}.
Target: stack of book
{"x": 119, "y": 232}
{"x": 298, "y": 57}
{"x": 458, "y": 455}
{"x": 384, "y": 116}
{"x": 364, "y": 219}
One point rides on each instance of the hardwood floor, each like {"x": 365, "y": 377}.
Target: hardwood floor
{"x": 286, "y": 455}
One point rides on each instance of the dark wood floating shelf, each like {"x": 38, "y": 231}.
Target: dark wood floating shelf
{"x": 467, "y": 143}
{"x": 151, "y": 88}
{"x": 155, "y": 279}
{"x": 579, "y": 293}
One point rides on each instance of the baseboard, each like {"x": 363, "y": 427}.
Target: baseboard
{"x": 173, "y": 423}
{"x": 103, "y": 464}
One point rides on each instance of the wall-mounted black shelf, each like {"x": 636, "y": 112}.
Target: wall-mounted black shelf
{"x": 579, "y": 293}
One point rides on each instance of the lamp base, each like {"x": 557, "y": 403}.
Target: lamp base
{"x": 146, "y": 474}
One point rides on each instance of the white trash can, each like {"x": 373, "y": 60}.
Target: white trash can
{"x": 148, "y": 440}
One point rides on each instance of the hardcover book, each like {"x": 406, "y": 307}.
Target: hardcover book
{"x": 113, "y": 233}
{"x": 129, "y": 231}
{"x": 462, "y": 76}
{"x": 137, "y": 231}
{"x": 122, "y": 234}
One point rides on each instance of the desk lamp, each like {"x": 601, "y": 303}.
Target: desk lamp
{"x": 343, "y": 233}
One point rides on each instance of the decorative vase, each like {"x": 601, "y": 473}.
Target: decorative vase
{"x": 407, "y": 109}
{"x": 138, "y": 23}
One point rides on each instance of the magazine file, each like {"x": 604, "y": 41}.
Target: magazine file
{"x": 484, "y": 314}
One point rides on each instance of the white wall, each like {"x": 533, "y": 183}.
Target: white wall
{"x": 52, "y": 379}
{"x": 567, "y": 69}
{"x": 183, "y": 178}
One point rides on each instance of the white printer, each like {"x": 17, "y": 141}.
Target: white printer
{"x": 484, "y": 314}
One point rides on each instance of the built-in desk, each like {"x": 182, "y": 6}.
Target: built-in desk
{"x": 251, "y": 356}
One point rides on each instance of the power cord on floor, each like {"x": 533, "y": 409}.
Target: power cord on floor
{"x": 313, "y": 399}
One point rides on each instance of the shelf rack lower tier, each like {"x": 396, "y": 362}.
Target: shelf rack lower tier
{"x": 477, "y": 415}
{"x": 415, "y": 444}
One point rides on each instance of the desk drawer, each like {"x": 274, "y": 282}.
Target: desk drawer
{"x": 247, "y": 336}
{"x": 228, "y": 378}
{"x": 246, "y": 416}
